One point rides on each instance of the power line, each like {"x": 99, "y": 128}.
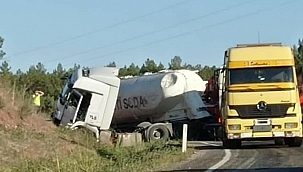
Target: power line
{"x": 189, "y": 32}
{"x": 152, "y": 32}
{"x": 98, "y": 30}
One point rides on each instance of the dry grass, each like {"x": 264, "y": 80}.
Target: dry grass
{"x": 29, "y": 142}
{"x": 67, "y": 150}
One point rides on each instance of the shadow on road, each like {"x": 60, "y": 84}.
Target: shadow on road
{"x": 265, "y": 146}
{"x": 291, "y": 169}
{"x": 246, "y": 146}
{"x": 198, "y": 146}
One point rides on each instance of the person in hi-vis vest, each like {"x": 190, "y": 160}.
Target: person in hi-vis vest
{"x": 37, "y": 101}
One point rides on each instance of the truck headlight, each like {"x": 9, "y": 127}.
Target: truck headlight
{"x": 234, "y": 127}
{"x": 291, "y": 125}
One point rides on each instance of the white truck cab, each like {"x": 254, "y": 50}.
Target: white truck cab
{"x": 88, "y": 99}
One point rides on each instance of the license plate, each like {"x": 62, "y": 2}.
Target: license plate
{"x": 262, "y": 128}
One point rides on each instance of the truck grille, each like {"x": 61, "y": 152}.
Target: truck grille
{"x": 272, "y": 110}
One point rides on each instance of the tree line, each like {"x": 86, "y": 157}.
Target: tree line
{"x": 37, "y": 77}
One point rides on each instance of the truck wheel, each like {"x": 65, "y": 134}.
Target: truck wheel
{"x": 279, "y": 141}
{"x": 157, "y": 132}
{"x": 232, "y": 144}
{"x": 293, "y": 142}
{"x": 142, "y": 126}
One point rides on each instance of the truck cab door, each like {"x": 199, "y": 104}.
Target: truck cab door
{"x": 71, "y": 108}
{"x": 59, "y": 111}
{"x": 101, "y": 108}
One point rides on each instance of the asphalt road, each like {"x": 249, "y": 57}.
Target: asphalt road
{"x": 253, "y": 156}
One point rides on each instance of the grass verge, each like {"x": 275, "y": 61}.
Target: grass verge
{"x": 78, "y": 151}
{"x": 31, "y": 143}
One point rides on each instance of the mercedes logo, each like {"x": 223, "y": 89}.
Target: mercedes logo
{"x": 261, "y": 105}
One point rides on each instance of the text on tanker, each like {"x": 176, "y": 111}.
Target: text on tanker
{"x": 130, "y": 102}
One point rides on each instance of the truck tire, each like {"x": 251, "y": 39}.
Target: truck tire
{"x": 293, "y": 142}
{"x": 231, "y": 144}
{"x": 279, "y": 141}
{"x": 157, "y": 132}
{"x": 144, "y": 125}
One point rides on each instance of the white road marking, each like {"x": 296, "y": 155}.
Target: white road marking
{"x": 247, "y": 163}
{"x": 220, "y": 163}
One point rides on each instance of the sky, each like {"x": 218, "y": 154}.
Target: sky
{"x": 95, "y": 33}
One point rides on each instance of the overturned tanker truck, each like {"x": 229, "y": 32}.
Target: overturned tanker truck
{"x": 156, "y": 105}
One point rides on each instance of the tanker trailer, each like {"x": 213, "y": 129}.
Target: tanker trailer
{"x": 160, "y": 103}
{"x": 157, "y": 105}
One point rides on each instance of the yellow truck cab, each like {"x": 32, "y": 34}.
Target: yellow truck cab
{"x": 260, "y": 96}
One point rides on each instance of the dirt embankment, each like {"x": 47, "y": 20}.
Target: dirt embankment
{"x": 25, "y": 135}
{"x": 20, "y": 113}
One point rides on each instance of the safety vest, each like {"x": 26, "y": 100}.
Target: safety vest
{"x": 36, "y": 99}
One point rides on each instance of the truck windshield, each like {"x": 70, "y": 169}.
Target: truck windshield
{"x": 261, "y": 75}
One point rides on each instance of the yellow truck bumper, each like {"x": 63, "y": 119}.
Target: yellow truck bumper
{"x": 264, "y": 128}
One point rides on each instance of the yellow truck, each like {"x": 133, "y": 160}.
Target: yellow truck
{"x": 260, "y": 96}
